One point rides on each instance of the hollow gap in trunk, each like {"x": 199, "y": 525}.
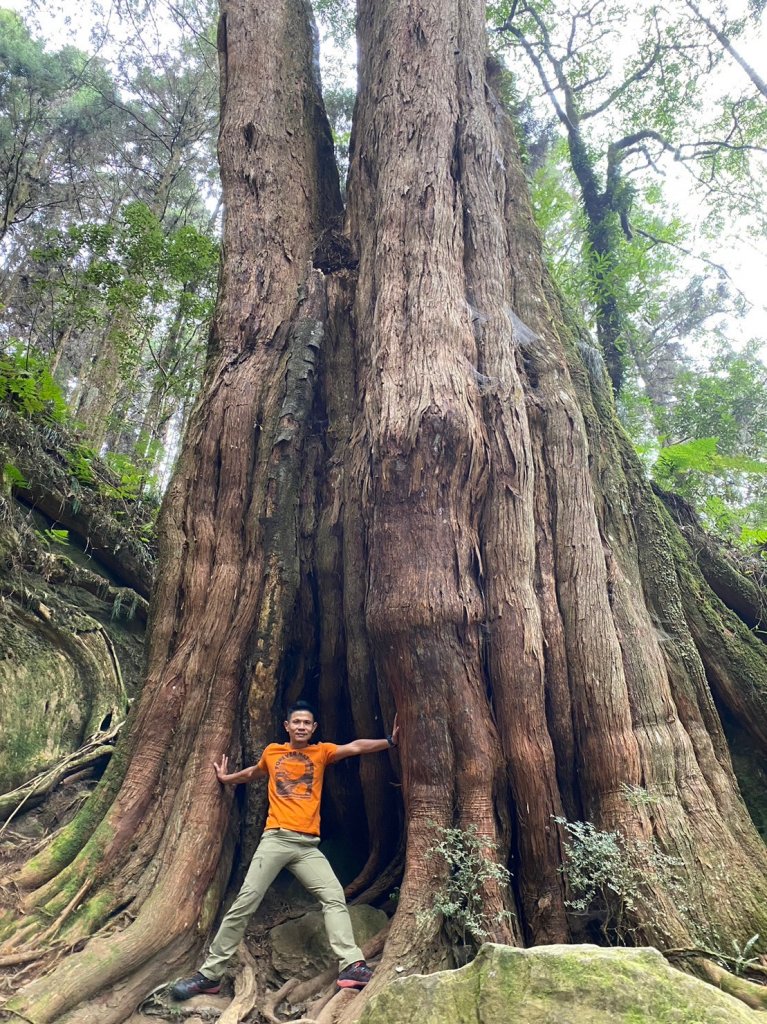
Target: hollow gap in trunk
{"x": 750, "y": 767}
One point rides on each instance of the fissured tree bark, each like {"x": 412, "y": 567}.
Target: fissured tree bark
{"x": 404, "y": 485}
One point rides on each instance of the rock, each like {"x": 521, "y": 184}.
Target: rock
{"x": 62, "y": 683}
{"x": 300, "y": 948}
{"x": 557, "y": 985}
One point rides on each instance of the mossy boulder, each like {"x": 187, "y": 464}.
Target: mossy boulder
{"x": 60, "y": 682}
{"x": 71, "y": 647}
{"x": 300, "y": 948}
{"x": 557, "y": 985}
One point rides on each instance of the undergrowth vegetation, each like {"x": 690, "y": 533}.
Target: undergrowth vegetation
{"x": 468, "y": 863}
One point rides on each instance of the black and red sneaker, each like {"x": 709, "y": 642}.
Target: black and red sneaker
{"x": 356, "y": 975}
{"x": 197, "y": 985}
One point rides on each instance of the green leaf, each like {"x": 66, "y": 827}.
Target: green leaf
{"x": 12, "y": 475}
{"x": 699, "y": 455}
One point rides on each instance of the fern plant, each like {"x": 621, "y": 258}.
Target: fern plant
{"x": 26, "y": 382}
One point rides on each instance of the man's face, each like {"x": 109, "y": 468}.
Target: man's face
{"x": 300, "y": 728}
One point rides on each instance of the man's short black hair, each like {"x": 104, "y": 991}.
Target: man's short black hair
{"x": 300, "y": 705}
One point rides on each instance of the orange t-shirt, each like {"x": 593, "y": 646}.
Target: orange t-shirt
{"x": 295, "y": 785}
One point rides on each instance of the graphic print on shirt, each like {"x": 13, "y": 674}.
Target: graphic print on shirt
{"x": 294, "y": 776}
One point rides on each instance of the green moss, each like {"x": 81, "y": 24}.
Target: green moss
{"x": 727, "y": 646}
{"x": 210, "y": 904}
{"x": 92, "y": 914}
{"x": 556, "y": 984}
{"x": 8, "y": 924}
{"x": 37, "y": 688}
{"x": 57, "y": 682}
{"x": 61, "y": 898}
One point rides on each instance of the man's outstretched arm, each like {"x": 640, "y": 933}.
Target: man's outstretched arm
{"x": 367, "y": 746}
{"x": 245, "y": 775}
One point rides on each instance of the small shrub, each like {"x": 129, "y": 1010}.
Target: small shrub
{"x": 637, "y": 796}
{"x": 469, "y": 859}
{"x": 135, "y": 478}
{"x": 607, "y": 872}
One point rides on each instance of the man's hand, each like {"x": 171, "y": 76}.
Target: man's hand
{"x": 226, "y": 778}
{"x": 395, "y": 733}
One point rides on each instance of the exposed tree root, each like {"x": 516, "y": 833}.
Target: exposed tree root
{"x": 749, "y": 992}
{"x": 316, "y": 1007}
{"x": 96, "y": 750}
{"x": 389, "y": 878}
{"x": 50, "y": 957}
{"x": 710, "y": 954}
{"x": 15, "y": 1015}
{"x": 269, "y": 1007}
{"x": 59, "y": 569}
{"x": 376, "y": 878}
{"x": 16, "y": 959}
{"x": 302, "y": 992}
{"x": 336, "y": 1007}
{"x": 245, "y": 990}
{"x": 367, "y": 876}
{"x": 68, "y": 909}
{"x": 753, "y": 994}
{"x": 163, "y": 1011}
{"x": 329, "y": 1008}
{"x": 305, "y": 990}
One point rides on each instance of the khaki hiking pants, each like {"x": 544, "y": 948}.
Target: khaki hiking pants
{"x": 278, "y": 849}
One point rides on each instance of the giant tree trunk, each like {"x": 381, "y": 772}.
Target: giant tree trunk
{"x": 401, "y": 486}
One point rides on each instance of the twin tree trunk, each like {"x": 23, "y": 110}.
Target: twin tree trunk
{"x": 402, "y": 488}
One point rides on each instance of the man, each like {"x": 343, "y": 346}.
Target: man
{"x": 292, "y": 834}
